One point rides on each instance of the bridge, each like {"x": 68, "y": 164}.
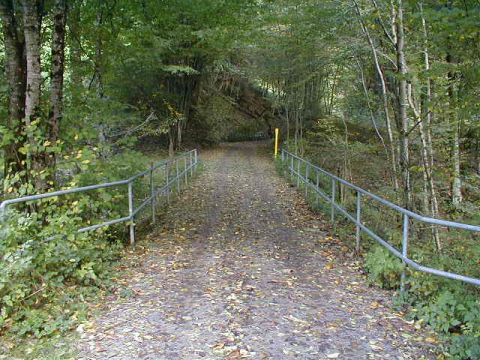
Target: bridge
{"x": 239, "y": 267}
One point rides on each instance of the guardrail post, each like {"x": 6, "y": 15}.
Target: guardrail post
{"x": 291, "y": 168}
{"x": 358, "y": 229}
{"x": 404, "y": 250}
{"x": 167, "y": 180}
{"x": 130, "y": 213}
{"x": 190, "y": 156}
{"x": 3, "y": 218}
{"x": 176, "y": 176}
{"x": 307, "y": 182}
{"x": 317, "y": 184}
{"x": 298, "y": 173}
{"x": 152, "y": 195}
{"x": 333, "y": 202}
{"x": 186, "y": 171}
{"x": 196, "y": 157}
{"x": 3, "y": 212}
{"x": 284, "y": 163}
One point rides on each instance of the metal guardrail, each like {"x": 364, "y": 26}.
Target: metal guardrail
{"x": 176, "y": 172}
{"x": 296, "y": 165}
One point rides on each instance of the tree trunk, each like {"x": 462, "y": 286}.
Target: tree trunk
{"x": 455, "y": 142}
{"x": 58, "y": 61}
{"x": 171, "y": 142}
{"x": 426, "y": 135}
{"x": 454, "y": 121}
{"x": 430, "y": 196}
{"x": 15, "y": 68}
{"x": 32, "y": 24}
{"x": 179, "y": 134}
{"x": 31, "y": 20}
{"x": 403, "y": 120}
{"x": 98, "y": 75}
{"x": 457, "y": 197}
{"x": 388, "y": 123}
{"x": 75, "y": 54}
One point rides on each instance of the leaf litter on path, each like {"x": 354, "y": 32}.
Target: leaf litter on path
{"x": 241, "y": 269}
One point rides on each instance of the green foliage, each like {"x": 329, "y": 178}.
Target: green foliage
{"x": 383, "y": 268}
{"x": 47, "y": 268}
{"x": 169, "y": 69}
{"x": 213, "y": 121}
{"x": 466, "y": 346}
{"x": 450, "y": 309}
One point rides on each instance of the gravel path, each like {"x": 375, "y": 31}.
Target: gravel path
{"x": 241, "y": 269}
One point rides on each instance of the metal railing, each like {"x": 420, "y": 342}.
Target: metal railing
{"x": 311, "y": 180}
{"x": 175, "y": 170}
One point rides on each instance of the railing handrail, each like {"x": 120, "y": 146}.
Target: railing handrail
{"x": 192, "y": 156}
{"x": 87, "y": 187}
{"x": 407, "y": 214}
{"x": 393, "y": 206}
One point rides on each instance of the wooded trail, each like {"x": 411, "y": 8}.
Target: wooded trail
{"x": 241, "y": 268}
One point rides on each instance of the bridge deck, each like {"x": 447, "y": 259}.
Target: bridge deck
{"x": 242, "y": 269}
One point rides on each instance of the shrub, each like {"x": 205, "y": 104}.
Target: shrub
{"x": 47, "y": 268}
{"x": 383, "y": 268}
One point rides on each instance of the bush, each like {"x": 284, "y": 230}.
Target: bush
{"x": 450, "y": 308}
{"x": 47, "y": 268}
{"x": 383, "y": 268}
{"x": 465, "y": 347}
{"x": 40, "y": 267}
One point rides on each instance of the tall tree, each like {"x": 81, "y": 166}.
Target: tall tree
{"x": 57, "y": 70}
{"x": 403, "y": 121}
{"x": 16, "y": 72}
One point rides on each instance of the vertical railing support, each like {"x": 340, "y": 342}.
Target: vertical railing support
{"x": 3, "y": 213}
{"x": 186, "y": 171}
{"x": 196, "y": 157}
{"x": 152, "y": 195}
{"x": 317, "y": 184}
{"x": 3, "y": 220}
{"x": 291, "y": 169}
{"x": 404, "y": 250}
{"x": 130, "y": 213}
{"x": 298, "y": 173}
{"x": 358, "y": 218}
{"x": 334, "y": 187}
{"x": 191, "y": 163}
{"x": 167, "y": 180}
{"x": 307, "y": 182}
{"x": 176, "y": 176}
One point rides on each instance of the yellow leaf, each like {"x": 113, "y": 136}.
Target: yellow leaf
{"x": 374, "y": 305}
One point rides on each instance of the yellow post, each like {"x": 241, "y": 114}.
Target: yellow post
{"x": 276, "y": 142}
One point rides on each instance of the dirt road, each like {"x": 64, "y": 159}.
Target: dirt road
{"x": 241, "y": 268}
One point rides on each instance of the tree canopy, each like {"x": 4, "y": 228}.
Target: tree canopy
{"x": 388, "y": 89}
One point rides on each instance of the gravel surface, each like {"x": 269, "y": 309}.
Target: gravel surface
{"x": 240, "y": 268}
